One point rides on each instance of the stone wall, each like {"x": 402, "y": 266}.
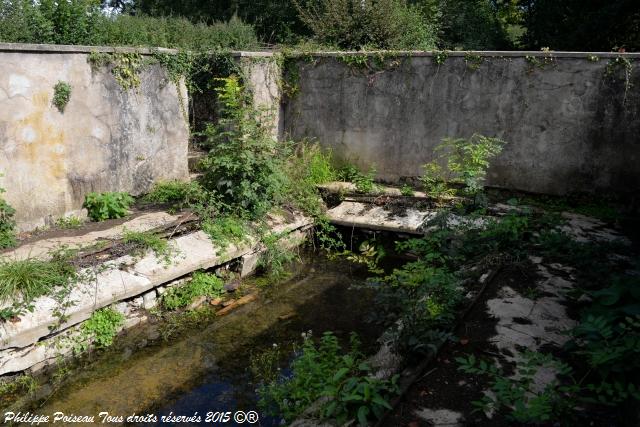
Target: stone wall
{"x": 571, "y": 125}
{"x": 107, "y": 139}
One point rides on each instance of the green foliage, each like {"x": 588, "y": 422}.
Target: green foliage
{"x": 518, "y": 394}
{"x": 321, "y": 370}
{"x": 467, "y": 161}
{"x": 7, "y": 223}
{"x": 370, "y": 254}
{"x": 306, "y": 167}
{"x": 277, "y": 255}
{"x": 24, "y": 384}
{"x": 440, "y": 57}
{"x": 177, "y": 193}
{"x": 142, "y": 241}
{"x": 81, "y": 22}
{"x": 245, "y": 166}
{"x": 110, "y": 205}
{"x": 473, "y": 61}
{"x": 100, "y": 329}
{"x": 571, "y": 25}
{"x": 471, "y": 25}
{"x": 407, "y": 191}
{"x": 381, "y": 24}
{"x": 32, "y": 278}
{"x": 125, "y": 67}
{"x": 69, "y": 222}
{"x": 265, "y": 365}
{"x": 61, "y": 95}
{"x": 226, "y": 229}
{"x": 364, "y": 182}
{"x": 201, "y": 284}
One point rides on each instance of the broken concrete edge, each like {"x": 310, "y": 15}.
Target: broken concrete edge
{"x": 44, "y": 248}
{"x": 120, "y": 280}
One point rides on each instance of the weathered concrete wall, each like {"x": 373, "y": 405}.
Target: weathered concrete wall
{"x": 107, "y": 139}
{"x": 570, "y": 127}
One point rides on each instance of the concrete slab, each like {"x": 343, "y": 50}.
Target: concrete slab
{"x": 42, "y": 249}
{"x": 125, "y": 278}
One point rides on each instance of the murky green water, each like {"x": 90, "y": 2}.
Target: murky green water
{"x": 206, "y": 370}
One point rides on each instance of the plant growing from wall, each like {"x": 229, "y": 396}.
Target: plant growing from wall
{"x": 125, "y": 67}
{"x": 99, "y": 330}
{"x": 201, "y": 284}
{"x": 618, "y": 65}
{"x": 61, "y": 95}
{"x": 110, "y": 205}
{"x": 440, "y": 56}
{"x": 7, "y": 223}
{"x": 473, "y": 60}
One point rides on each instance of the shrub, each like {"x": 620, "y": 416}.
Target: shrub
{"x": 100, "y": 329}
{"x": 61, "y": 95}
{"x": 245, "y": 165}
{"x": 103, "y": 206}
{"x": 467, "y": 162}
{"x": 7, "y": 224}
{"x": 381, "y": 24}
{"x": 83, "y": 22}
{"x": 176, "y": 192}
{"x": 323, "y": 370}
{"x": 201, "y": 284}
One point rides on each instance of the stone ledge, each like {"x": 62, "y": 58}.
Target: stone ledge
{"x": 127, "y": 277}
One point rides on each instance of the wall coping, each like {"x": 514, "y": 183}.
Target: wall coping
{"x": 50, "y": 48}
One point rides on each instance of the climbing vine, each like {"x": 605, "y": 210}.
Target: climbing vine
{"x": 125, "y": 66}
{"x": 440, "y": 56}
{"x": 619, "y": 65}
{"x": 473, "y": 60}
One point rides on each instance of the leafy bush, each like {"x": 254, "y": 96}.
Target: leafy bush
{"x": 7, "y": 224}
{"x": 69, "y": 222}
{"x": 177, "y": 192}
{"x": 364, "y": 182}
{"x": 201, "y": 284}
{"x": 61, "y": 95}
{"x": 225, "y": 230}
{"x": 100, "y": 329}
{"x": 381, "y": 24}
{"x": 467, "y": 161}
{"x": 245, "y": 164}
{"x": 407, "y": 191}
{"x": 82, "y": 22}
{"x": 345, "y": 380}
{"x": 518, "y": 395}
{"x": 103, "y": 206}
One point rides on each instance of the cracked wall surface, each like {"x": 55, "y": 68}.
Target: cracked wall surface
{"x": 571, "y": 127}
{"x": 107, "y": 139}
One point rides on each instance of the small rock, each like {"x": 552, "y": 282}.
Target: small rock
{"x": 149, "y": 300}
{"x": 232, "y": 286}
{"x": 197, "y": 302}
{"x": 216, "y": 301}
{"x": 286, "y": 316}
